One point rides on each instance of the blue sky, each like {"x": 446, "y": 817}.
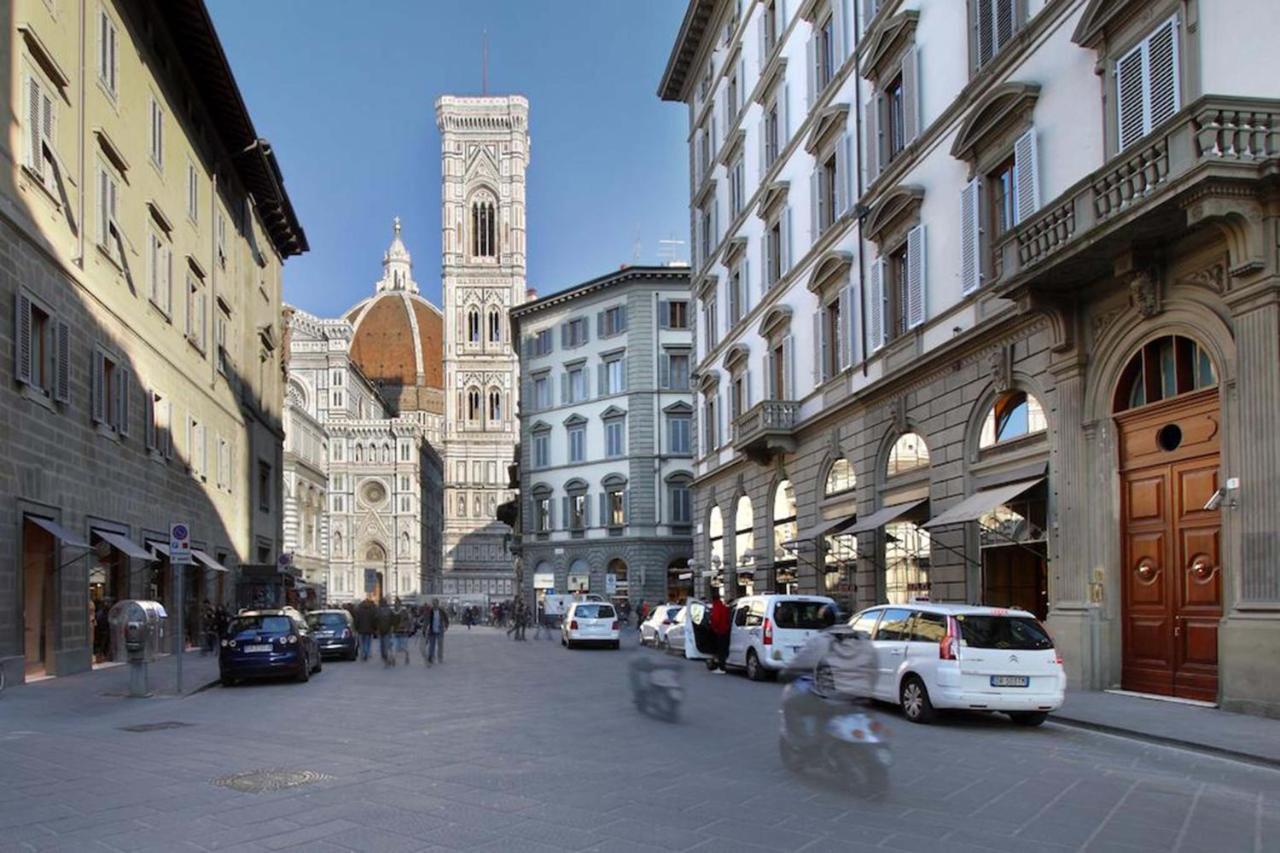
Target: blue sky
{"x": 346, "y": 93}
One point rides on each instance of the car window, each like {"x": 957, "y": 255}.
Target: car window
{"x": 740, "y": 614}
{"x": 672, "y": 611}
{"x": 1003, "y": 632}
{"x": 697, "y": 612}
{"x": 893, "y": 625}
{"x": 804, "y": 615}
{"x": 331, "y": 621}
{"x": 260, "y": 624}
{"x": 593, "y": 611}
{"x": 865, "y": 624}
{"x": 928, "y": 627}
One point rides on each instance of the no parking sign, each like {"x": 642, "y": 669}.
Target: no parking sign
{"x": 179, "y": 543}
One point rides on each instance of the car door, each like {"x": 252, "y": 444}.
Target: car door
{"x": 738, "y": 639}
{"x": 890, "y": 643}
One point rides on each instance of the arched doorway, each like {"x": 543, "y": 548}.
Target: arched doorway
{"x": 1167, "y": 414}
{"x": 375, "y": 559}
{"x": 679, "y": 580}
{"x": 744, "y": 544}
{"x": 785, "y": 530}
{"x": 615, "y": 581}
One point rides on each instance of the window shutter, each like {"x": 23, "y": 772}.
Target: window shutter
{"x": 971, "y": 236}
{"x": 815, "y": 212}
{"x": 872, "y": 142}
{"x": 844, "y": 190}
{"x": 599, "y": 324}
{"x": 664, "y": 370}
{"x": 22, "y": 339}
{"x": 846, "y": 308}
{"x": 839, "y": 21}
{"x": 715, "y": 226}
{"x": 875, "y": 314}
{"x": 605, "y": 520}
{"x": 916, "y": 279}
{"x": 150, "y": 412}
{"x": 746, "y": 285}
{"x": 664, "y": 314}
{"x": 125, "y": 389}
{"x": 819, "y": 348}
{"x": 770, "y": 392}
{"x": 1026, "y": 161}
{"x": 746, "y": 385}
{"x": 564, "y": 505}
{"x": 624, "y": 373}
{"x": 526, "y": 348}
{"x": 868, "y": 12}
{"x": 784, "y": 116}
{"x": 564, "y": 335}
{"x": 764, "y": 147}
{"x": 763, "y": 53}
{"x": 765, "y": 268}
{"x": 742, "y": 87}
{"x": 984, "y": 28}
{"x": 33, "y": 124}
{"x": 602, "y": 378}
{"x": 166, "y": 423}
{"x": 789, "y": 367}
{"x": 720, "y": 434}
{"x": 911, "y": 95}
{"x": 564, "y": 389}
{"x": 586, "y": 332}
{"x": 586, "y": 512}
{"x": 786, "y": 240}
{"x": 62, "y": 364}
{"x": 1130, "y": 100}
{"x": 1162, "y": 72}
{"x": 811, "y": 73}
{"x": 99, "y": 389}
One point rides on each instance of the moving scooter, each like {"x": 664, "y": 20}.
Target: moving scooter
{"x": 836, "y": 736}
{"x": 655, "y": 687}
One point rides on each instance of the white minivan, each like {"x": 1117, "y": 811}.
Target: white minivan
{"x": 590, "y": 622}
{"x": 768, "y": 630}
{"x": 932, "y": 656}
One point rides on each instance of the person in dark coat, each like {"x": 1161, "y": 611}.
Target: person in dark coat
{"x": 366, "y": 618}
{"x": 386, "y": 627}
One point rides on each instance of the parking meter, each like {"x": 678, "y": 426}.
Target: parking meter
{"x": 137, "y": 630}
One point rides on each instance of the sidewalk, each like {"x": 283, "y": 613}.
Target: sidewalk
{"x": 1241, "y": 736}
{"x": 86, "y": 692}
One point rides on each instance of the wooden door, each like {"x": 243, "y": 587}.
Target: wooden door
{"x": 1172, "y": 581}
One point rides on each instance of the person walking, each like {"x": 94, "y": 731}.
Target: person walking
{"x": 366, "y": 619}
{"x": 640, "y": 613}
{"x": 401, "y": 627}
{"x": 437, "y": 622}
{"x": 385, "y": 638}
{"x": 720, "y": 628}
{"x": 522, "y": 619}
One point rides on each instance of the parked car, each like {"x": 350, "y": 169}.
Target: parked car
{"x": 932, "y": 656}
{"x": 590, "y": 622}
{"x": 264, "y": 643}
{"x": 681, "y": 636}
{"x": 653, "y": 631}
{"x": 768, "y": 630}
{"x": 335, "y": 633}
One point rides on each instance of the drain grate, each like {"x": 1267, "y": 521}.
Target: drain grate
{"x": 262, "y": 781}
{"x": 155, "y": 727}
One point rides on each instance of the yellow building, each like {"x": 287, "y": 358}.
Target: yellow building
{"x": 143, "y": 228}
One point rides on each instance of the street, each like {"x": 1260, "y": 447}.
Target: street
{"x": 528, "y": 746}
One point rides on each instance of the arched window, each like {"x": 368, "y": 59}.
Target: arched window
{"x": 484, "y": 243}
{"x": 909, "y": 453}
{"x": 495, "y": 405}
{"x": 386, "y": 453}
{"x": 404, "y": 544}
{"x": 375, "y": 553}
{"x": 906, "y": 561}
{"x": 337, "y": 543}
{"x": 473, "y": 326}
{"x": 1164, "y": 368}
{"x": 744, "y": 542}
{"x": 359, "y": 452}
{"x": 840, "y": 478}
{"x": 784, "y": 530}
{"x": 1013, "y": 415}
{"x": 495, "y": 326}
{"x": 473, "y": 404}
{"x": 715, "y": 546}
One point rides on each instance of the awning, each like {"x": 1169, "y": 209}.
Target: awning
{"x": 207, "y": 561}
{"x": 980, "y": 503}
{"x": 879, "y": 519}
{"x": 68, "y": 539}
{"x": 123, "y": 544}
{"x": 825, "y": 528}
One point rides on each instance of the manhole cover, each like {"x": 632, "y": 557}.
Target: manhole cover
{"x": 261, "y": 781}
{"x": 154, "y": 727}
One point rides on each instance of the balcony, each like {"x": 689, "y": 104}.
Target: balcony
{"x": 1141, "y": 197}
{"x": 767, "y": 428}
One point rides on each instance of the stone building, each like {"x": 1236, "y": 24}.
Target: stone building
{"x": 606, "y": 446}
{"x": 1045, "y": 334}
{"x": 368, "y": 388}
{"x": 143, "y": 228}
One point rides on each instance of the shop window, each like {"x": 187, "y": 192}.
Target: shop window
{"x": 909, "y": 453}
{"x": 785, "y": 530}
{"x": 906, "y": 562}
{"x": 840, "y": 478}
{"x": 1164, "y": 368}
{"x": 744, "y": 539}
{"x": 1013, "y": 415}
{"x": 715, "y": 545}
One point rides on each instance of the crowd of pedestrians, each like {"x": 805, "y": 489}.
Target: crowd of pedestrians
{"x": 395, "y": 626}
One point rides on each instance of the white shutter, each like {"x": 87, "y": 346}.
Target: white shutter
{"x": 875, "y": 311}
{"x": 124, "y": 389}
{"x": 784, "y": 116}
{"x": 1130, "y": 99}
{"x": 811, "y": 73}
{"x": 150, "y": 411}
{"x": 872, "y": 141}
{"x": 789, "y": 368}
{"x": 786, "y": 240}
{"x": 746, "y": 285}
{"x": 166, "y": 424}
{"x": 99, "y": 388}
{"x": 22, "y": 339}
{"x": 760, "y": 38}
{"x": 33, "y": 156}
{"x": 624, "y": 372}
{"x": 720, "y": 433}
{"x": 1026, "y": 161}
{"x": 815, "y": 204}
{"x": 844, "y": 342}
{"x": 851, "y": 326}
{"x": 664, "y": 314}
{"x": 819, "y": 349}
{"x": 970, "y": 236}
{"x": 765, "y": 268}
{"x": 911, "y": 95}
{"x": 839, "y": 28}
{"x": 664, "y": 370}
{"x": 742, "y": 88}
{"x": 746, "y": 386}
{"x": 1162, "y": 73}
{"x": 770, "y": 392}
{"x": 916, "y": 279}
{"x": 844, "y": 190}
{"x": 62, "y": 362}
{"x": 764, "y": 146}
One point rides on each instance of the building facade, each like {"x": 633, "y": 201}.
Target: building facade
{"x": 1045, "y": 328}
{"x": 606, "y": 444}
{"x": 143, "y": 228}
{"x": 375, "y": 526}
{"x": 484, "y": 156}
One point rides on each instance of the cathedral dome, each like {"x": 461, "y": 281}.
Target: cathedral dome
{"x": 398, "y": 338}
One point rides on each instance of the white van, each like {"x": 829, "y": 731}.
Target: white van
{"x": 768, "y": 630}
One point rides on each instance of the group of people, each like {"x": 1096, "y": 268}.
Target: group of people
{"x": 393, "y": 624}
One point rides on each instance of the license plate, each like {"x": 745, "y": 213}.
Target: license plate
{"x": 324, "y": 635}
{"x": 1010, "y": 681}
{"x": 265, "y": 648}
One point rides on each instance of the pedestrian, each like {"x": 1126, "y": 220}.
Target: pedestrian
{"x": 401, "y": 627}
{"x": 521, "y": 618}
{"x": 366, "y": 617}
{"x": 720, "y": 629}
{"x": 640, "y": 613}
{"x": 437, "y": 623}
{"x": 384, "y": 634}
{"x": 540, "y": 613}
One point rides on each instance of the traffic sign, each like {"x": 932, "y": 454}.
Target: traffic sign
{"x": 179, "y": 543}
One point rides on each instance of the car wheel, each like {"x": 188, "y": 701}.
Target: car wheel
{"x": 1028, "y": 718}
{"x": 915, "y": 702}
{"x": 304, "y": 672}
{"x": 754, "y": 670}
{"x": 319, "y": 662}
{"x": 354, "y": 656}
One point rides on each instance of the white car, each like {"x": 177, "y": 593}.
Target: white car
{"x": 590, "y": 622}
{"x": 679, "y": 636}
{"x": 768, "y": 630}
{"x": 653, "y": 631}
{"x": 931, "y": 656}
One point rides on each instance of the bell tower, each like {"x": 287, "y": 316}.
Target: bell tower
{"x": 484, "y": 155}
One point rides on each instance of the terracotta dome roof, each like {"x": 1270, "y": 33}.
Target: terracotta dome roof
{"x": 399, "y": 339}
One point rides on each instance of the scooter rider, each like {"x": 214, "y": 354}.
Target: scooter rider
{"x": 839, "y": 667}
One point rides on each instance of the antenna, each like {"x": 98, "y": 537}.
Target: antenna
{"x": 484, "y": 64}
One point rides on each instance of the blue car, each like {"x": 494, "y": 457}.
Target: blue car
{"x": 267, "y": 643}
{"x": 335, "y": 633}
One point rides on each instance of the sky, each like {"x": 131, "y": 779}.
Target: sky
{"x": 345, "y": 91}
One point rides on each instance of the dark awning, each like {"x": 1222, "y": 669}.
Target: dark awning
{"x": 825, "y": 528}
{"x": 123, "y": 544}
{"x": 980, "y": 503}
{"x": 890, "y": 513}
{"x": 66, "y": 537}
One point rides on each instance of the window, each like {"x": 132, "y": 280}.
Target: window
{"x": 828, "y": 185}
{"x": 772, "y": 133}
{"x": 906, "y": 561}
{"x": 108, "y": 228}
{"x": 612, "y": 321}
{"x": 824, "y": 56}
{"x": 1148, "y": 90}
{"x": 577, "y": 443}
{"x": 542, "y": 343}
{"x": 195, "y": 310}
{"x": 160, "y": 272}
{"x": 737, "y": 295}
{"x": 710, "y": 322}
{"x": 909, "y": 453}
{"x": 495, "y": 326}
{"x": 840, "y": 478}
{"x": 1164, "y": 368}
{"x": 1013, "y": 415}
{"x": 111, "y": 392}
{"x": 473, "y": 326}
{"x": 573, "y": 333}
{"x": 675, "y": 314}
{"x": 193, "y": 194}
{"x": 832, "y": 337}
{"x": 222, "y": 341}
{"x": 731, "y": 99}
{"x": 678, "y": 433}
{"x": 220, "y": 238}
{"x": 577, "y": 511}
{"x": 107, "y": 65}
{"x": 894, "y": 625}
{"x": 704, "y": 154}
{"x": 406, "y": 449}
{"x": 495, "y": 405}
{"x": 484, "y": 242}
{"x": 542, "y": 512}
{"x": 737, "y": 187}
{"x": 771, "y": 26}
{"x": 614, "y": 440}
{"x": 673, "y": 370}
{"x": 785, "y": 527}
{"x": 264, "y": 488}
{"x": 542, "y": 392}
{"x": 995, "y": 22}
{"x": 576, "y": 384}
{"x": 43, "y": 350}
{"x": 710, "y": 422}
{"x": 1002, "y": 183}
{"x": 706, "y": 229}
{"x": 157, "y": 134}
{"x": 613, "y": 376}
{"x": 616, "y": 504}
{"x": 895, "y": 129}
{"x": 159, "y": 427}
{"x": 773, "y": 253}
{"x": 473, "y": 405}
{"x": 41, "y": 124}
{"x": 897, "y": 297}
{"x": 681, "y": 504}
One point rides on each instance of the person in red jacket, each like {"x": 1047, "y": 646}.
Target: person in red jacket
{"x": 720, "y": 628}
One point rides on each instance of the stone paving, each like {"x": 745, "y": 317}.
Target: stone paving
{"x": 531, "y": 747}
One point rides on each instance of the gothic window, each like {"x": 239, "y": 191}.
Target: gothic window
{"x": 495, "y": 326}
{"x": 473, "y": 326}
{"x": 484, "y": 243}
{"x": 495, "y": 405}
{"x": 473, "y": 405}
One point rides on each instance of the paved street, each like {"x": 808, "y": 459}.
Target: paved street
{"x": 531, "y": 747}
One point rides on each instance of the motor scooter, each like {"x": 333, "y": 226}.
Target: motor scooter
{"x": 841, "y": 738}
{"x": 656, "y": 688}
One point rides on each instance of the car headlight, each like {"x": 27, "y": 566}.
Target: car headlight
{"x": 292, "y": 639}
{"x": 231, "y": 643}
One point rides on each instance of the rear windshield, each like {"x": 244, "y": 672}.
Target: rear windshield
{"x": 672, "y": 611}
{"x": 804, "y": 615}
{"x": 262, "y": 624}
{"x": 594, "y": 611}
{"x": 327, "y": 620}
{"x": 1003, "y": 632}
